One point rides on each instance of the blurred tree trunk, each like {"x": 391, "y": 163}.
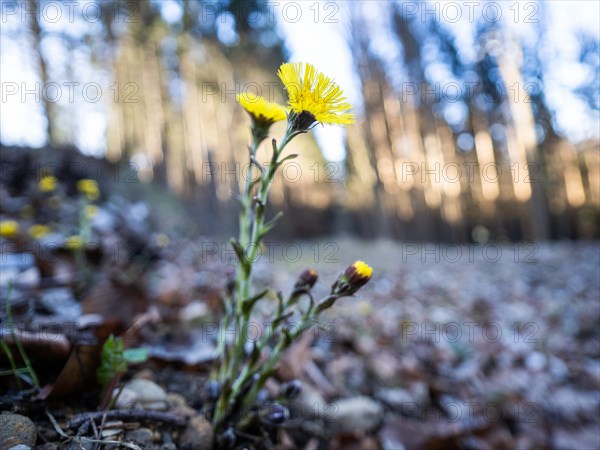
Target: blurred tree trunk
{"x": 50, "y": 111}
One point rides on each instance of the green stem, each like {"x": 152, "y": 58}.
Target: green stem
{"x": 250, "y": 237}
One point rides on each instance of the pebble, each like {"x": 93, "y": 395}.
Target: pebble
{"x": 15, "y": 430}
{"x": 142, "y": 437}
{"x": 178, "y": 405}
{"x": 198, "y": 435}
{"x": 356, "y": 414}
{"x": 140, "y": 393}
{"x": 168, "y": 446}
{"x": 47, "y": 446}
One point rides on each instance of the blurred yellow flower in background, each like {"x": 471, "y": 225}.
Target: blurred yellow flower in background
{"x": 38, "y": 231}
{"x": 74, "y": 242}
{"x": 47, "y": 183}
{"x": 89, "y": 187}
{"x": 9, "y": 228}
{"x": 90, "y": 211}
{"x": 313, "y": 97}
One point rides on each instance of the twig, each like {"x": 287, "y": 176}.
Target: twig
{"x": 82, "y": 439}
{"x": 129, "y": 414}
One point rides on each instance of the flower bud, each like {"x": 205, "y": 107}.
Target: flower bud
{"x": 275, "y": 414}
{"x": 291, "y": 390}
{"x": 306, "y": 280}
{"x": 355, "y": 277}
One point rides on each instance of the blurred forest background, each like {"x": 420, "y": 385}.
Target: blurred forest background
{"x": 449, "y": 144}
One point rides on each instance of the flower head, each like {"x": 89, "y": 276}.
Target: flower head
{"x": 263, "y": 113}
{"x": 355, "y": 277}
{"x": 9, "y": 228}
{"x": 313, "y": 97}
{"x": 90, "y": 211}
{"x": 38, "y": 231}
{"x": 47, "y": 183}
{"x": 74, "y": 242}
{"x": 89, "y": 187}
{"x": 307, "y": 279}
{"x": 261, "y": 109}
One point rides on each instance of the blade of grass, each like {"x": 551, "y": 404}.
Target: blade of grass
{"x": 17, "y": 341}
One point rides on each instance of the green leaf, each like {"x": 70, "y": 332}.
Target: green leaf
{"x": 270, "y": 224}
{"x": 112, "y": 360}
{"x": 136, "y": 355}
{"x": 241, "y": 254}
{"x": 248, "y": 304}
{"x": 292, "y": 156}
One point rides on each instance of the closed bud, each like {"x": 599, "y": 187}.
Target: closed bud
{"x": 306, "y": 280}
{"x": 291, "y": 389}
{"x": 275, "y": 414}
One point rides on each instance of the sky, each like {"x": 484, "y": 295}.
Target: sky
{"x": 313, "y": 32}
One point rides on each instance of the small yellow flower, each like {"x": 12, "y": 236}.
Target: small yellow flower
{"x": 313, "y": 97}
{"x": 9, "y": 228}
{"x": 73, "y": 242}
{"x": 261, "y": 110}
{"x": 38, "y": 231}
{"x": 90, "y": 211}
{"x": 355, "y": 277}
{"x": 361, "y": 270}
{"x": 47, "y": 183}
{"x": 89, "y": 188}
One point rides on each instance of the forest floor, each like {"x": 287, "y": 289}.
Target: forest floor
{"x": 493, "y": 346}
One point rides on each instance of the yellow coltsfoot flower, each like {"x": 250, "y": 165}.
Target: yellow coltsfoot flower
{"x": 38, "y": 231}
{"x": 263, "y": 113}
{"x": 89, "y": 187}
{"x": 261, "y": 109}
{"x": 47, "y": 183}
{"x": 74, "y": 242}
{"x": 313, "y": 97}
{"x": 90, "y": 211}
{"x": 9, "y": 228}
{"x": 355, "y": 277}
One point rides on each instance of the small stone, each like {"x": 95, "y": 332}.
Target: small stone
{"x": 75, "y": 445}
{"x": 144, "y": 374}
{"x": 309, "y": 404}
{"x": 175, "y": 400}
{"x": 169, "y": 446}
{"x": 15, "y": 430}
{"x": 355, "y": 414}
{"x": 141, "y": 436}
{"x": 198, "y": 434}
{"x": 47, "y": 446}
{"x": 30, "y": 277}
{"x": 20, "y": 447}
{"x": 144, "y": 394}
{"x": 535, "y": 361}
